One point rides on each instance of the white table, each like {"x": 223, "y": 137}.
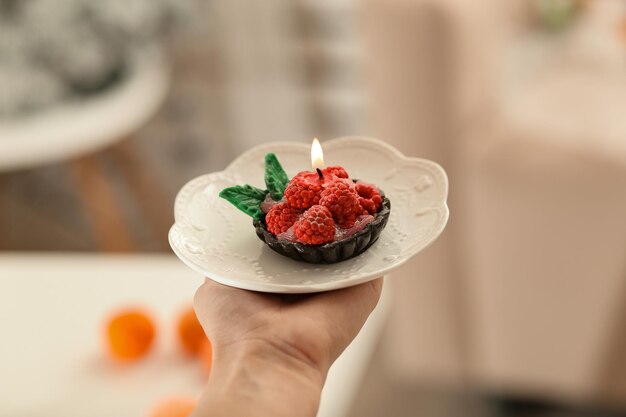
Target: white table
{"x": 51, "y": 316}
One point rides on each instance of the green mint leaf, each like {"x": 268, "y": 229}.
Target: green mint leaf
{"x": 246, "y": 198}
{"x": 276, "y": 178}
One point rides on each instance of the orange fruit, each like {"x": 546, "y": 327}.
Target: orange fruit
{"x": 130, "y": 334}
{"x": 206, "y": 355}
{"x": 190, "y": 333}
{"x": 179, "y": 406}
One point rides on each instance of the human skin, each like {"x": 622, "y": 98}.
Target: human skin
{"x": 272, "y": 352}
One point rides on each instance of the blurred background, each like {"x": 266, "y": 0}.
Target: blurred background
{"x": 107, "y": 108}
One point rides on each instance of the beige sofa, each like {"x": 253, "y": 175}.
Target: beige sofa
{"x": 526, "y": 291}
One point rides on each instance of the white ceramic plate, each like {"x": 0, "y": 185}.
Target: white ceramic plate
{"x": 218, "y": 241}
{"x": 83, "y": 126}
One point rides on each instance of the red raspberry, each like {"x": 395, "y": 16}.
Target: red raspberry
{"x": 281, "y": 217}
{"x": 315, "y": 227}
{"x": 342, "y": 200}
{"x": 303, "y": 191}
{"x": 369, "y": 197}
{"x": 337, "y": 171}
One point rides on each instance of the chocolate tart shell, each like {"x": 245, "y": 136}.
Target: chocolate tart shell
{"x": 333, "y": 252}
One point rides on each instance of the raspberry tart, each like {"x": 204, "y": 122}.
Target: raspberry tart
{"x": 317, "y": 217}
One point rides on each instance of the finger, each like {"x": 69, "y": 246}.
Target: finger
{"x": 358, "y": 300}
{"x": 216, "y": 304}
{"x": 345, "y": 309}
{"x": 214, "y": 301}
{"x": 212, "y": 295}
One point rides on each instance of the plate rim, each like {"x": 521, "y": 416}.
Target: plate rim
{"x": 441, "y": 208}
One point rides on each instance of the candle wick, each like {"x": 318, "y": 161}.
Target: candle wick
{"x": 319, "y": 172}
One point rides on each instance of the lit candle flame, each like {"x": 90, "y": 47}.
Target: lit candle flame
{"x": 317, "y": 155}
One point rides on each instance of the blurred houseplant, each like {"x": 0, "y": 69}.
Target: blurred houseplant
{"x": 54, "y": 51}
{"x": 557, "y": 14}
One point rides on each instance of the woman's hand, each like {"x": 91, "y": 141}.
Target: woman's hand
{"x": 272, "y": 352}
